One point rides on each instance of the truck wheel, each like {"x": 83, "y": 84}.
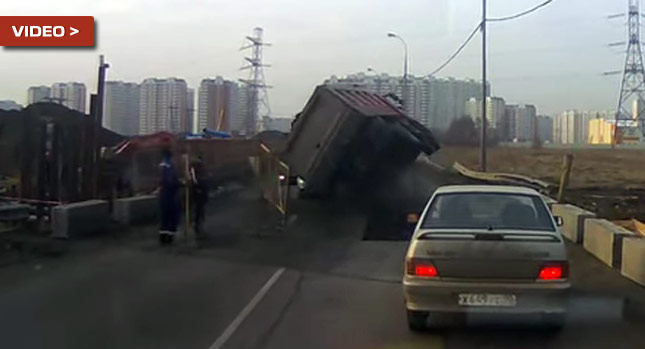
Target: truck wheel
{"x": 417, "y": 320}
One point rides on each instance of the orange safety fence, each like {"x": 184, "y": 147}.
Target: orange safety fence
{"x": 273, "y": 177}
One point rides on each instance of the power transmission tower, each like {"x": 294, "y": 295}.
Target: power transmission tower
{"x": 257, "y": 96}
{"x": 629, "y": 112}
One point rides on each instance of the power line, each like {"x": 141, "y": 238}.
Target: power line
{"x": 461, "y": 48}
{"x": 518, "y": 15}
{"x": 478, "y": 27}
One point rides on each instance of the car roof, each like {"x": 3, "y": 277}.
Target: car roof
{"x": 505, "y": 189}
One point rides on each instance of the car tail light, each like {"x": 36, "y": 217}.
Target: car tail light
{"x": 554, "y": 271}
{"x": 420, "y": 267}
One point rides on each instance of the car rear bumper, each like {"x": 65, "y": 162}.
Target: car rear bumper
{"x": 443, "y": 296}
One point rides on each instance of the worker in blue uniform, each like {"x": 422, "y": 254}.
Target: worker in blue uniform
{"x": 168, "y": 199}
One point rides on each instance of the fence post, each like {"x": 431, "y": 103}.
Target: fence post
{"x": 564, "y": 178}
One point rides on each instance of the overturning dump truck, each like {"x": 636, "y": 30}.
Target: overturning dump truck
{"x": 352, "y": 137}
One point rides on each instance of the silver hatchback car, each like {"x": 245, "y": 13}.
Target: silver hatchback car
{"x": 486, "y": 249}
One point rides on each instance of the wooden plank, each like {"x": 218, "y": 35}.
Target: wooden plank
{"x": 507, "y": 178}
{"x": 634, "y": 225}
{"x": 639, "y": 227}
{"x": 564, "y": 178}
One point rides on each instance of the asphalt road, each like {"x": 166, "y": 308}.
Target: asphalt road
{"x": 315, "y": 284}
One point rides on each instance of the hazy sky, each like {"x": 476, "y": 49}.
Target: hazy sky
{"x": 552, "y": 58}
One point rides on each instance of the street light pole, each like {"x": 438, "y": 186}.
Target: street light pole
{"x": 406, "y": 93}
{"x": 482, "y": 141}
{"x": 98, "y": 124}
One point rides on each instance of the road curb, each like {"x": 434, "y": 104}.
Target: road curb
{"x": 574, "y": 219}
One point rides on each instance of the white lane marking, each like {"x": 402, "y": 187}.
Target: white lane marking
{"x": 246, "y": 311}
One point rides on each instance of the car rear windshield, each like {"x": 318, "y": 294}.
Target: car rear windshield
{"x": 488, "y": 211}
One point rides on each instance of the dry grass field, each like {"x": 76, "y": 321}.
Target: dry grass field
{"x": 606, "y": 168}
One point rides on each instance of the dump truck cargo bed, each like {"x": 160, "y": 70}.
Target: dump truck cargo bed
{"x": 352, "y": 136}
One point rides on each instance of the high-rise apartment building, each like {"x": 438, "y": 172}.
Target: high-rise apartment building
{"x": 495, "y": 111}
{"x": 588, "y": 116}
{"x": 121, "y": 107}
{"x": 601, "y": 131}
{"x": 545, "y": 128}
{"x": 564, "y": 127}
{"x": 520, "y": 123}
{"x": 242, "y": 109}
{"x": 9, "y": 105}
{"x": 70, "y": 94}
{"x": 37, "y": 94}
{"x": 219, "y": 105}
{"x": 163, "y": 106}
{"x": 448, "y": 99}
{"x": 433, "y": 102}
{"x": 190, "y": 118}
{"x": 572, "y": 126}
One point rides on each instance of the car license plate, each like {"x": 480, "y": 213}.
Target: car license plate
{"x": 487, "y": 300}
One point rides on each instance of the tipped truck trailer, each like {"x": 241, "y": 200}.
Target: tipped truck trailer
{"x": 354, "y": 137}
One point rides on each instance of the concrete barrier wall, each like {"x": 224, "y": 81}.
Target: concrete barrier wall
{"x": 14, "y": 212}
{"x": 138, "y": 209}
{"x": 604, "y": 240}
{"x": 633, "y": 263}
{"x": 574, "y": 218}
{"x": 80, "y": 219}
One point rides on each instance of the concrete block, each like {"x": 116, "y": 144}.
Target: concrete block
{"x": 14, "y": 212}
{"x": 137, "y": 209}
{"x": 604, "y": 240}
{"x": 574, "y": 219}
{"x": 633, "y": 264}
{"x": 80, "y": 219}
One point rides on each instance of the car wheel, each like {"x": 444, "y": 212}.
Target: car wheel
{"x": 417, "y": 320}
{"x": 554, "y": 322}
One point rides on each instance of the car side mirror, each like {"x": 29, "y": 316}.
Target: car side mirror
{"x": 558, "y": 221}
